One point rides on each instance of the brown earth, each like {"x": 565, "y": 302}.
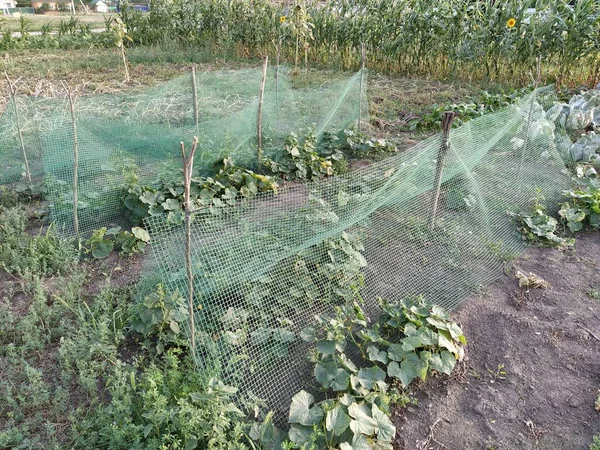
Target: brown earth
{"x": 549, "y": 343}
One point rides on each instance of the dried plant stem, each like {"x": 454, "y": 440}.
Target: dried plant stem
{"x": 13, "y": 97}
{"x": 188, "y": 167}
{"x": 195, "y": 96}
{"x": 71, "y": 95}
{"x": 260, "y": 108}
{"x": 362, "y": 77}
{"x": 127, "y": 79}
{"x": 447, "y": 126}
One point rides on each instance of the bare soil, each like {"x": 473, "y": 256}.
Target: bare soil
{"x": 549, "y": 343}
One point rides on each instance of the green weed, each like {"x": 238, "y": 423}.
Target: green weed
{"x": 43, "y": 254}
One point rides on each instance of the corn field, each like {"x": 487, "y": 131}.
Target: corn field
{"x": 493, "y": 40}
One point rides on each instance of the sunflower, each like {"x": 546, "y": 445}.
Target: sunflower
{"x": 282, "y": 19}
{"x": 511, "y": 22}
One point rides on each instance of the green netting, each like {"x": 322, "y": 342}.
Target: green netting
{"x": 262, "y": 270}
{"x": 147, "y": 127}
{"x": 12, "y": 161}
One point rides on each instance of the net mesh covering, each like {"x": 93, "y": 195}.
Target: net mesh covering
{"x": 264, "y": 269}
{"x": 147, "y": 127}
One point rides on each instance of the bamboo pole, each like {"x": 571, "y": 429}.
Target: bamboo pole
{"x": 195, "y": 96}
{"x": 13, "y": 97}
{"x": 447, "y": 126}
{"x": 362, "y": 76}
{"x": 188, "y": 167}
{"x": 260, "y": 109}
{"x": 70, "y": 95}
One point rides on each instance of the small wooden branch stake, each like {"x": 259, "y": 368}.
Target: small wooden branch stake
{"x": 362, "y": 76}
{"x": 71, "y": 95}
{"x": 260, "y": 108}
{"x": 195, "y": 96}
{"x": 13, "y": 97}
{"x": 447, "y": 126}
{"x": 278, "y": 57}
{"x": 188, "y": 167}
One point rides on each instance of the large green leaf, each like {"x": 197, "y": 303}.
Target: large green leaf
{"x": 395, "y": 352}
{"x": 443, "y": 362}
{"x": 141, "y": 234}
{"x": 102, "y": 249}
{"x": 308, "y": 334}
{"x": 326, "y": 347}
{"x": 370, "y": 376}
{"x": 410, "y": 343}
{"x": 407, "y": 370}
{"x": 299, "y": 434}
{"x": 377, "y": 355}
{"x": 445, "y": 341}
{"x": 362, "y": 422}
{"x": 385, "y": 429}
{"x": 359, "y": 442}
{"x": 301, "y": 412}
{"x": 337, "y": 420}
{"x": 331, "y": 376}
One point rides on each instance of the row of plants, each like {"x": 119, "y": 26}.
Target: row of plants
{"x": 479, "y": 105}
{"x": 99, "y": 396}
{"x": 410, "y": 340}
{"x": 70, "y": 378}
{"x": 302, "y": 158}
{"x": 67, "y": 34}
{"x": 500, "y": 40}
{"x": 579, "y": 211}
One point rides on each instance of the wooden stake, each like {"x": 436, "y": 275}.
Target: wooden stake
{"x": 75, "y": 158}
{"x": 13, "y": 98}
{"x": 195, "y": 96}
{"x": 362, "y": 75}
{"x": 278, "y": 57}
{"x": 260, "y": 107}
{"x": 447, "y": 126}
{"x": 188, "y": 167}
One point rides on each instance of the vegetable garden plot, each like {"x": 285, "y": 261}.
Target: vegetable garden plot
{"x": 113, "y": 131}
{"x": 263, "y": 270}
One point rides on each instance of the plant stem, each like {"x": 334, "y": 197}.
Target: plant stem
{"x": 188, "y": 167}
{"x": 75, "y": 159}
{"x": 13, "y": 98}
{"x": 260, "y": 108}
{"x": 195, "y": 96}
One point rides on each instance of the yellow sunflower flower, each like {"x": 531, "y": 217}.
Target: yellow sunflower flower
{"x": 282, "y": 19}
{"x": 511, "y": 22}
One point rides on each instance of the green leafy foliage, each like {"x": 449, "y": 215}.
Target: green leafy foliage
{"x": 583, "y": 207}
{"x": 360, "y": 145}
{"x": 540, "y": 228}
{"x": 483, "y": 104}
{"x": 229, "y": 186}
{"x": 447, "y": 38}
{"x": 160, "y": 316}
{"x": 257, "y": 332}
{"x": 411, "y": 339}
{"x": 103, "y": 241}
{"x": 89, "y": 392}
{"x": 301, "y": 160}
{"x": 43, "y": 254}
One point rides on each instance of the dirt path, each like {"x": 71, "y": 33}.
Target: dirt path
{"x": 548, "y": 345}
